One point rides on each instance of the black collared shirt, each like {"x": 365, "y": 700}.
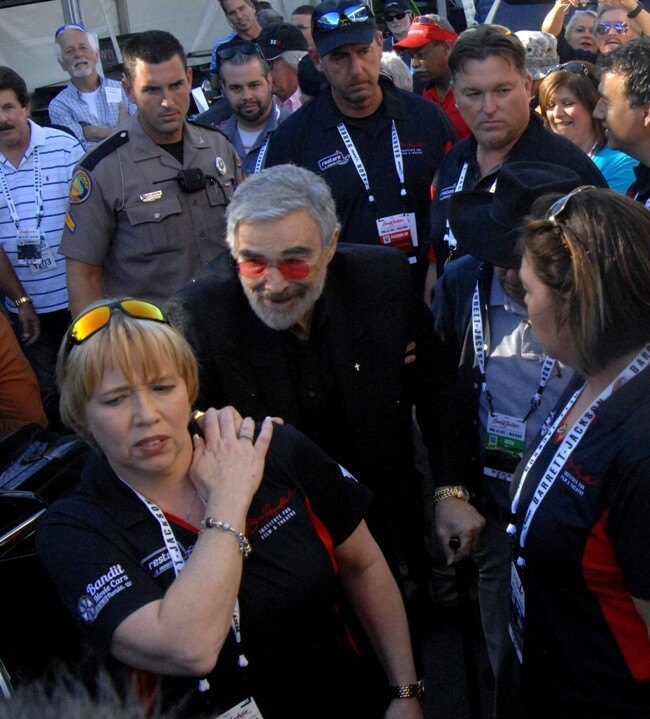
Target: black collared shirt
{"x": 640, "y": 190}
{"x": 536, "y": 143}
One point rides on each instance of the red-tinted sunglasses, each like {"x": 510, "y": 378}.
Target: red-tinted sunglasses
{"x": 292, "y": 269}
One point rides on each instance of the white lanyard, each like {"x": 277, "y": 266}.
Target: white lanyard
{"x": 261, "y": 155}
{"x": 479, "y": 350}
{"x": 361, "y": 170}
{"x": 449, "y": 235}
{"x": 38, "y": 192}
{"x": 568, "y": 445}
{"x": 176, "y": 556}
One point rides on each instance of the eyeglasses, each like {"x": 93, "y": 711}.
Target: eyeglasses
{"x": 293, "y": 269}
{"x": 72, "y": 25}
{"x": 576, "y": 67}
{"x": 391, "y": 17}
{"x": 558, "y": 207}
{"x": 355, "y": 14}
{"x": 621, "y": 27}
{"x": 246, "y": 48}
{"x": 98, "y": 317}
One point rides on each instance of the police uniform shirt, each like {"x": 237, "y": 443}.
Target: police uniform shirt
{"x": 106, "y": 555}
{"x": 536, "y": 143}
{"x": 587, "y": 552}
{"x": 128, "y": 215}
{"x": 310, "y": 138}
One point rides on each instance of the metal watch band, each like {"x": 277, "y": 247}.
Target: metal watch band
{"x": 22, "y": 300}
{"x": 407, "y": 691}
{"x": 459, "y": 492}
{"x": 244, "y": 545}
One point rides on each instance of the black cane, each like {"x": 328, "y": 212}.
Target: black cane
{"x": 467, "y": 632}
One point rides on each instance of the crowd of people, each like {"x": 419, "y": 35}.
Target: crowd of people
{"x": 257, "y": 317}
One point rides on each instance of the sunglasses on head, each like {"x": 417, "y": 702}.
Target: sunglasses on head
{"x": 247, "y": 48}
{"x": 391, "y": 17}
{"x": 71, "y": 26}
{"x": 559, "y": 206}
{"x": 579, "y": 68}
{"x": 620, "y": 26}
{"x": 292, "y": 269}
{"x": 97, "y": 318}
{"x": 349, "y": 16}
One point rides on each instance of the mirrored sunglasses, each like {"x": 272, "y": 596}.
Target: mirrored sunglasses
{"x": 98, "y": 317}
{"x": 620, "y": 26}
{"x": 355, "y": 14}
{"x": 292, "y": 269}
{"x": 576, "y": 67}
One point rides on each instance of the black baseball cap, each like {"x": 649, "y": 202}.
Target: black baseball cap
{"x": 347, "y": 22}
{"x": 279, "y": 37}
{"x": 397, "y": 6}
{"x": 486, "y": 224}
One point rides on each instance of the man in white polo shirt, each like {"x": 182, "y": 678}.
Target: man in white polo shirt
{"x": 36, "y": 167}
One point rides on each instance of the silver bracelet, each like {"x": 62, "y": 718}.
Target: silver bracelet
{"x": 244, "y": 545}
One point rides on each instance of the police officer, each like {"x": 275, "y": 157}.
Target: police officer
{"x": 147, "y": 205}
{"x": 376, "y": 146}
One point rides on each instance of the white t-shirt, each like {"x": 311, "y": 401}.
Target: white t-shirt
{"x": 248, "y": 138}
{"x": 90, "y": 98}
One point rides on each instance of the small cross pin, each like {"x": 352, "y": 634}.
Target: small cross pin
{"x": 357, "y": 366}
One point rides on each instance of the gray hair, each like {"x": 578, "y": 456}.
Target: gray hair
{"x": 292, "y": 58}
{"x": 274, "y": 193}
{"x": 441, "y": 22}
{"x": 577, "y": 17}
{"x": 397, "y": 70}
{"x": 93, "y": 40}
{"x": 606, "y": 8}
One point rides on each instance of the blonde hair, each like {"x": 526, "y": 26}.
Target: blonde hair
{"x": 140, "y": 348}
{"x": 596, "y": 262}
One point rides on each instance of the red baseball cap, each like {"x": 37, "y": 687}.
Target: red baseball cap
{"x": 424, "y": 30}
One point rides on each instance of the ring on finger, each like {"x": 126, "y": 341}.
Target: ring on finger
{"x": 245, "y": 436}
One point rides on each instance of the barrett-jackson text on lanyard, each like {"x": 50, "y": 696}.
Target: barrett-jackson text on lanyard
{"x": 176, "y": 556}
{"x": 400, "y": 230}
{"x": 38, "y": 193}
{"x": 572, "y": 439}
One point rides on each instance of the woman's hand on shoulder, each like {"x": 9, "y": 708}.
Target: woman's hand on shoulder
{"x": 227, "y": 465}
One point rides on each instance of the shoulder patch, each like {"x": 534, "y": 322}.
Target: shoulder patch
{"x": 80, "y": 187}
{"x": 206, "y": 126}
{"x": 104, "y": 149}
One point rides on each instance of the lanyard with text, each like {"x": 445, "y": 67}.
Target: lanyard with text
{"x": 178, "y": 561}
{"x": 400, "y": 230}
{"x": 479, "y": 349}
{"x": 449, "y": 235}
{"x": 38, "y": 193}
{"x": 568, "y": 445}
{"x": 261, "y": 155}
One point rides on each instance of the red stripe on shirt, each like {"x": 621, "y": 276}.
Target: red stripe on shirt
{"x": 604, "y": 578}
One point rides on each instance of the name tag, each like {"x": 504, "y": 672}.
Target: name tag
{"x": 399, "y": 231}
{"x": 28, "y": 245}
{"x": 46, "y": 261}
{"x": 244, "y": 710}
{"x": 504, "y": 446}
{"x": 113, "y": 94}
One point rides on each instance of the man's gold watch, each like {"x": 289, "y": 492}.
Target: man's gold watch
{"x": 446, "y": 492}
{"x": 22, "y": 300}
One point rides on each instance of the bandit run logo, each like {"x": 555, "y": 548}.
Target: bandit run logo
{"x": 101, "y": 591}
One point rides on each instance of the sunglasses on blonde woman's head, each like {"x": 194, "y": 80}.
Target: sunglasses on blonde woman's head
{"x": 579, "y": 68}
{"x": 90, "y": 322}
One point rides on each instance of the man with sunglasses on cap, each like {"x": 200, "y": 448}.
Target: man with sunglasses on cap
{"x": 90, "y": 106}
{"x": 624, "y": 109}
{"x": 377, "y": 147}
{"x": 147, "y": 205}
{"x": 429, "y": 41}
{"x": 492, "y": 88}
{"x": 508, "y": 385}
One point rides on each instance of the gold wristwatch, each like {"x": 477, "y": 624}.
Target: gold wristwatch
{"x": 446, "y": 492}
{"x": 407, "y": 691}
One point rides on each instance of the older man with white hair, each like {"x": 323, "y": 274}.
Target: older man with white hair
{"x": 90, "y": 106}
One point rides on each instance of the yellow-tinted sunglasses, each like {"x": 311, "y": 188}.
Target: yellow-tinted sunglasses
{"x": 98, "y": 317}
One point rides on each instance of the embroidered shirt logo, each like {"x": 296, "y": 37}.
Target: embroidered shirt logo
{"x": 336, "y": 158}
{"x": 101, "y": 591}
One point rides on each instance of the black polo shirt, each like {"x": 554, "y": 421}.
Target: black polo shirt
{"x": 640, "y": 190}
{"x": 587, "y": 552}
{"x": 536, "y": 143}
{"x": 310, "y": 138}
{"x": 106, "y": 555}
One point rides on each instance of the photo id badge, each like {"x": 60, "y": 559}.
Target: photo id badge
{"x": 504, "y": 446}
{"x": 244, "y": 710}
{"x": 517, "y": 611}
{"x": 399, "y": 231}
{"x": 113, "y": 94}
{"x": 28, "y": 245}
{"x": 45, "y": 263}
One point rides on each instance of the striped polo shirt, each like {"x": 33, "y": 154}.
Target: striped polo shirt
{"x": 58, "y": 154}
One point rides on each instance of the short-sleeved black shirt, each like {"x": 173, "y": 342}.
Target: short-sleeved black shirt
{"x": 640, "y": 190}
{"x": 587, "y": 552}
{"x": 310, "y": 138}
{"x": 107, "y": 557}
{"x": 536, "y": 143}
